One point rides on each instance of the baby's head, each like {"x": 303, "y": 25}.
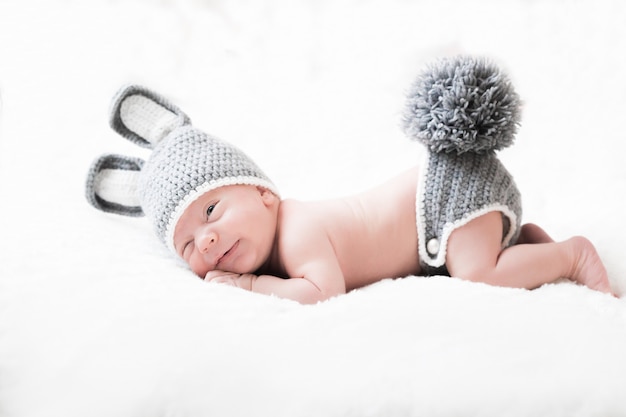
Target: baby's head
{"x": 230, "y": 228}
{"x": 187, "y": 168}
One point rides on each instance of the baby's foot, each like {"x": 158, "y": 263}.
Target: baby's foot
{"x": 588, "y": 268}
{"x": 531, "y": 233}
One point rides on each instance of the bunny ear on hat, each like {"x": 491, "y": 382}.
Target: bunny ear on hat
{"x": 112, "y": 185}
{"x": 143, "y": 116}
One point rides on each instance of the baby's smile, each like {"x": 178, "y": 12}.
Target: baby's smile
{"x": 227, "y": 255}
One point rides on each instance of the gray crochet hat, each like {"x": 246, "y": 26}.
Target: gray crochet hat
{"x": 184, "y": 164}
{"x": 463, "y": 109}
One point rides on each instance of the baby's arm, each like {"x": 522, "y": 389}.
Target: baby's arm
{"x": 303, "y": 290}
{"x": 315, "y": 273}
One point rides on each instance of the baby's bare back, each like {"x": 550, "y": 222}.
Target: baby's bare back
{"x": 374, "y": 234}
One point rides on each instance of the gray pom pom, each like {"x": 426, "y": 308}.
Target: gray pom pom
{"x": 463, "y": 104}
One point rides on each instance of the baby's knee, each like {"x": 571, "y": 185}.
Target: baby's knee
{"x": 473, "y": 273}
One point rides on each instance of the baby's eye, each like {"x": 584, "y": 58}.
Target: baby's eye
{"x": 210, "y": 209}
{"x": 185, "y": 248}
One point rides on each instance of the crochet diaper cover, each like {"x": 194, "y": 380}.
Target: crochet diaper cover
{"x": 463, "y": 109}
{"x": 455, "y": 189}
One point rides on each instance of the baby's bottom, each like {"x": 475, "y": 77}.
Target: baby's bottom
{"x": 475, "y": 253}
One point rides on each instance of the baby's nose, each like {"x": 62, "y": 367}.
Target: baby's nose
{"x": 205, "y": 241}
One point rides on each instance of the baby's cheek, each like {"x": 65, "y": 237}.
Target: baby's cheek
{"x": 198, "y": 267}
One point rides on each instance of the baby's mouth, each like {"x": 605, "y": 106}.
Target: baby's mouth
{"x": 226, "y": 254}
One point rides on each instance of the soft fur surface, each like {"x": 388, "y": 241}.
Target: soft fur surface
{"x": 96, "y": 319}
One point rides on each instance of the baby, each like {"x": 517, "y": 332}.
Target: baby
{"x": 457, "y": 214}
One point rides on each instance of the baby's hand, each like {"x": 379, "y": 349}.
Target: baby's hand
{"x": 230, "y": 278}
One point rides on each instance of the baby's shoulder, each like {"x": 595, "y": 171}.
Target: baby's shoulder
{"x": 319, "y": 222}
{"x": 302, "y": 234}
{"x": 295, "y": 215}
{"x": 313, "y": 214}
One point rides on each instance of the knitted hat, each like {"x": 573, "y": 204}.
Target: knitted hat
{"x": 185, "y": 163}
{"x": 463, "y": 109}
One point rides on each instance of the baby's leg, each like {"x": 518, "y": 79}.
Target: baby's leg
{"x": 474, "y": 253}
{"x": 531, "y": 233}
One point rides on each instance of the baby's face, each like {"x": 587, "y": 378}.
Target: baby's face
{"x": 230, "y": 228}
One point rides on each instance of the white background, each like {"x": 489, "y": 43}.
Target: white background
{"x": 313, "y": 91}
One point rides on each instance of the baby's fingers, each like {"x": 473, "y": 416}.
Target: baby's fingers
{"x": 220, "y": 277}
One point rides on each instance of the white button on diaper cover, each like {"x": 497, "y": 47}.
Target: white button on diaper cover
{"x": 432, "y": 246}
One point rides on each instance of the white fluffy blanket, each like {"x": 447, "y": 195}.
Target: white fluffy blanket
{"x": 96, "y": 319}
